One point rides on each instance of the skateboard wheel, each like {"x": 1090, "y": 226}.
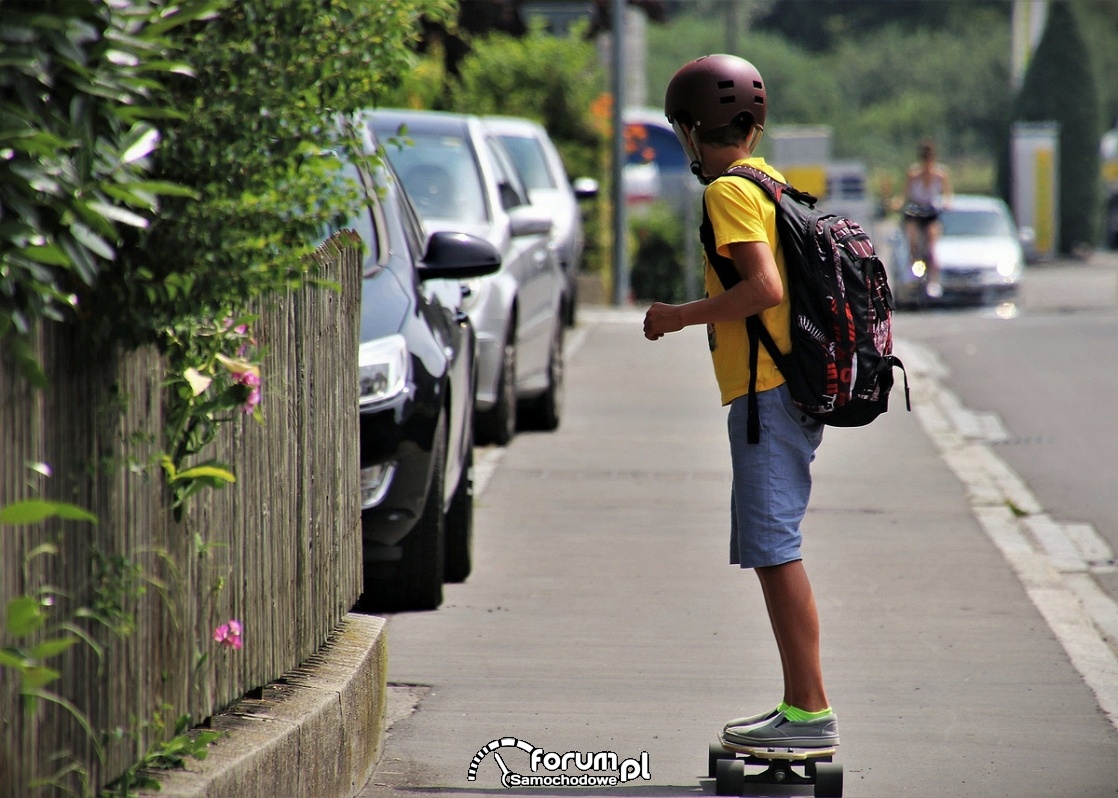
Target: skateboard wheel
{"x": 715, "y": 753}
{"x": 729, "y": 777}
{"x": 828, "y": 780}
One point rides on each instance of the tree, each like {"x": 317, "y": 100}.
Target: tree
{"x": 477, "y": 18}
{"x": 1060, "y": 86}
{"x": 818, "y": 25}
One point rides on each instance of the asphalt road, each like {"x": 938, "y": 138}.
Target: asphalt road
{"x": 1046, "y": 369}
{"x": 602, "y": 616}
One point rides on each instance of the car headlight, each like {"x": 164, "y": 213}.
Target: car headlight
{"x": 1007, "y": 267}
{"x": 382, "y": 369}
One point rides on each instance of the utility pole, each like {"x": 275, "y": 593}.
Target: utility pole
{"x": 733, "y": 25}
{"x": 617, "y": 193}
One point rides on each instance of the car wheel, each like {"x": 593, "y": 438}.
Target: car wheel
{"x": 460, "y": 523}
{"x": 416, "y": 581}
{"x": 546, "y": 411}
{"x": 498, "y": 424}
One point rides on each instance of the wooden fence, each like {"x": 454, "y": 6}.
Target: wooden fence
{"x": 279, "y": 550}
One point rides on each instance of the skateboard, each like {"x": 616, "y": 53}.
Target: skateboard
{"x": 727, "y": 763}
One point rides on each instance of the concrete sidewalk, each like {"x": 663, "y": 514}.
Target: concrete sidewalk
{"x": 602, "y": 614}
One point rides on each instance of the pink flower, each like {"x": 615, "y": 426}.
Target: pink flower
{"x": 252, "y": 401}
{"x": 240, "y": 329}
{"x": 229, "y": 634}
{"x": 249, "y": 377}
{"x": 251, "y": 380}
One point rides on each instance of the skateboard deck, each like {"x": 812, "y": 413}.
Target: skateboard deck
{"x": 727, "y": 763}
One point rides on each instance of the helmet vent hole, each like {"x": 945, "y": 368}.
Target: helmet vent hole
{"x": 725, "y": 84}
{"x": 757, "y": 85}
{"x": 726, "y": 100}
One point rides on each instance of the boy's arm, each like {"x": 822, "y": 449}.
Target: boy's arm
{"x": 760, "y": 288}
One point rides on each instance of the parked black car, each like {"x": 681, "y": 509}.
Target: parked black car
{"x": 417, "y": 376}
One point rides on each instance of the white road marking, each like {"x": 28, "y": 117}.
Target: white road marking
{"x": 1052, "y": 560}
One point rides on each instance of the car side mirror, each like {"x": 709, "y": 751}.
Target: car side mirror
{"x": 529, "y": 221}
{"x": 458, "y": 256}
{"x": 585, "y": 188}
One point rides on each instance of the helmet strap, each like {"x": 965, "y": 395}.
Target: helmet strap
{"x": 754, "y": 138}
{"x": 697, "y": 170}
{"x": 685, "y": 135}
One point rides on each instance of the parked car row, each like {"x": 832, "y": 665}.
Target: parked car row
{"x": 467, "y": 291}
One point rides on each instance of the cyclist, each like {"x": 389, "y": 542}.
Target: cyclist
{"x": 927, "y": 190}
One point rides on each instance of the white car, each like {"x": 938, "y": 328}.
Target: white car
{"x": 656, "y": 168}
{"x": 550, "y": 190}
{"x": 979, "y": 252}
{"x": 460, "y": 178}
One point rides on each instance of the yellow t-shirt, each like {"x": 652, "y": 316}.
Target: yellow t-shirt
{"x": 740, "y": 210}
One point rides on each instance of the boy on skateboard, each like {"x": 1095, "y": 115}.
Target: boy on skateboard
{"x": 717, "y": 105}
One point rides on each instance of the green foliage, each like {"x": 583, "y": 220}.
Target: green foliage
{"x": 118, "y": 582}
{"x": 162, "y": 755}
{"x": 657, "y": 266}
{"x": 552, "y": 80}
{"x": 33, "y": 638}
{"x": 30, "y": 640}
{"x": 1060, "y": 86}
{"x": 33, "y": 511}
{"x": 818, "y": 25}
{"x": 248, "y": 127}
{"x": 1098, "y": 24}
{"x": 881, "y": 90}
{"x": 80, "y": 106}
{"x": 213, "y": 376}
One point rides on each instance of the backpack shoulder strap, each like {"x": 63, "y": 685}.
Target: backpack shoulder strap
{"x": 757, "y": 334}
{"x": 770, "y": 185}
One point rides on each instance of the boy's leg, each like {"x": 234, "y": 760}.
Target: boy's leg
{"x": 795, "y": 622}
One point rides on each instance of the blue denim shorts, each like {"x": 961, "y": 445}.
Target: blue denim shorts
{"x": 772, "y": 479}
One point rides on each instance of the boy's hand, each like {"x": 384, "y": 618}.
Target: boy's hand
{"x": 662, "y": 319}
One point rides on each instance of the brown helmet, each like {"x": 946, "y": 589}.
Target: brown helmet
{"x": 712, "y": 91}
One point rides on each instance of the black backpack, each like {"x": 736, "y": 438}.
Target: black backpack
{"x": 840, "y": 369}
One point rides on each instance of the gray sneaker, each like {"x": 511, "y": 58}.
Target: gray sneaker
{"x": 781, "y": 732}
{"x": 752, "y": 720}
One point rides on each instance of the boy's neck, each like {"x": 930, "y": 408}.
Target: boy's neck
{"x": 717, "y": 160}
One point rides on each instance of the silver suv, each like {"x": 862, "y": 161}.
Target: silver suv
{"x": 460, "y": 177}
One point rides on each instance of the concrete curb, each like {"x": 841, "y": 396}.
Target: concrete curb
{"x": 316, "y": 732}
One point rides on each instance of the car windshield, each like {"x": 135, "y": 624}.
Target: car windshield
{"x": 975, "y": 223}
{"x": 441, "y": 177}
{"x": 528, "y": 156}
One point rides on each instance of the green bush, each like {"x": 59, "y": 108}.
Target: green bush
{"x": 657, "y": 269}
{"x": 249, "y": 127}
{"x": 1060, "y": 86}
{"x": 550, "y": 79}
{"x": 159, "y": 158}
